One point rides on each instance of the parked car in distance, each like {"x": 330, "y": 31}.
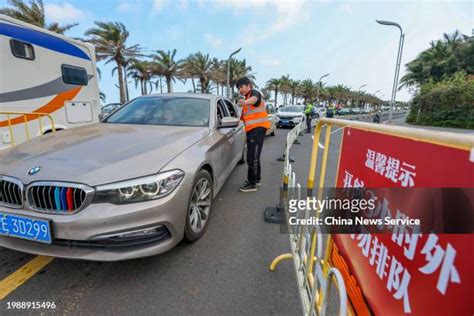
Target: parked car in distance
{"x": 290, "y": 115}
{"x": 107, "y": 109}
{"x": 356, "y": 110}
{"x": 133, "y": 185}
{"x": 330, "y": 113}
{"x": 343, "y": 111}
{"x": 273, "y": 118}
{"x": 319, "y": 112}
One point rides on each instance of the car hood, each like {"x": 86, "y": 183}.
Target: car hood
{"x": 99, "y": 153}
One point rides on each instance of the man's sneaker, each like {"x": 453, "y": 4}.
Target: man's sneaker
{"x": 247, "y": 187}
{"x": 259, "y": 183}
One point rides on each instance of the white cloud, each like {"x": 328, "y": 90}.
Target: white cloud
{"x": 182, "y": 4}
{"x": 213, "y": 40}
{"x": 270, "y": 61}
{"x": 158, "y": 5}
{"x": 346, "y": 8}
{"x": 128, "y": 6}
{"x": 63, "y": 12}
{"x": 174, "y": 33}
{"x": 288, "y": 14}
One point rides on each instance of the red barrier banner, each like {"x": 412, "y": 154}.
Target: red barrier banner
{"x": 404, "y": 271}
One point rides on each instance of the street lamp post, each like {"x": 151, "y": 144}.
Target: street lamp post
{"x": 319, "y": 84}
{"x": 228, "y": 71}
{"x": 397, "y": 67}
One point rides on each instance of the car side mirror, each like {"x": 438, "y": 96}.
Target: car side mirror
{"x": 229, "y": 122}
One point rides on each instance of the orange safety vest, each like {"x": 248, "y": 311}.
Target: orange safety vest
{"x": 255, "y": 116}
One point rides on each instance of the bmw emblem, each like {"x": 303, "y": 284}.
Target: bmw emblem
{"x": 34, "y": 170}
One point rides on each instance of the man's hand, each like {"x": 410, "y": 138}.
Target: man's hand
{"x": 241, "y": 102}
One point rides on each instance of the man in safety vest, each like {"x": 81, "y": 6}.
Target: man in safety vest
{"x": 255, "y": 117}
{"x": 308, "y": 111}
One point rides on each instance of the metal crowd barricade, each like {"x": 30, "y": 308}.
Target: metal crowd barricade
{"x": 276, "y": 214}
{"x": 24, "y": 118}
{"x": 314, "y": 279}
{"x": 315, "y": 261}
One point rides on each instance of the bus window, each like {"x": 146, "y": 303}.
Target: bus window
{"x": 22, "y": 50}
{"x": 74, "y": 75}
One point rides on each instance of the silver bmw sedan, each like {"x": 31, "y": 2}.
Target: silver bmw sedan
{"x": 134, "y": 185}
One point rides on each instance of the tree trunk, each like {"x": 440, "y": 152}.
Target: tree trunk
{"x": 121, "y": 87}
{"x": 168, "y": 84}
{"x": 126, "y": 82}
{"x": 194, "y": 85}
{"x": 276, "y": 97}
{"x": 141, "y": 86}
{"x": 293, "y": 98}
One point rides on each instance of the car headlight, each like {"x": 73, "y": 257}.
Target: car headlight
{"x": 139, "y": 190}
{"x": 297, "y": 119}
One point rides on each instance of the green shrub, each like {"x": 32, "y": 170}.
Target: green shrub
{"x": 449, "y": 103}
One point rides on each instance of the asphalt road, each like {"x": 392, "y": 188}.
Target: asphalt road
{"x": 226, "y": 272}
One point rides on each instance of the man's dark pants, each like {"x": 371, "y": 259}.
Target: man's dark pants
{"x": 255, "y": 138}
{"x": 308, "y": 123}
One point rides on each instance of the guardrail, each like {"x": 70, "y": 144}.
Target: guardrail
{"x": 24, "y": 118}
{"x": 276, "y": 214}
{"x": 313, "y": 286}
{"x": 319, "y": 262}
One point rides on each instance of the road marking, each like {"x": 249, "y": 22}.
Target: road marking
{"x": 319, "y": 143}
{"x": 20, "y": 276}
{"x": 336, "y": 130}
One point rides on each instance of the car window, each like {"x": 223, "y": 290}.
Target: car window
{"x": 231, "y": 109}
{"x": 176, "y": 111}
{"x": 221, "y": 110}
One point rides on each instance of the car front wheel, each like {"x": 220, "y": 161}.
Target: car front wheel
{"x": 199, "y": 209}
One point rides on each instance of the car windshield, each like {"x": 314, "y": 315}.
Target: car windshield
{"x": 176, "y": 111}
{"x": 294, "y": 108}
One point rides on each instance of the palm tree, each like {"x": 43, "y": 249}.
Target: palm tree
{"x": 265, "y": 94}
{"x": 307, "y": 90}
{"x": 219, "y": 74}
{"x": 293, "y": 86}
{"x": 284, "y": 87}
{"x": 109, "y": 39}
{"x": 239, "y": 69}
{"x": 442, "y": 60}
{"x": 274, "y": 84}
{"x": 33, "y": 14}
{"x": 141, "y": 72}
{"x": 168, "y": 67}
{"x": 201, "y": 66}
{"x": 186, "y": 72}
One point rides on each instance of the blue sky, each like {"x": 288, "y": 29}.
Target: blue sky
{"x": 304, "y": 39}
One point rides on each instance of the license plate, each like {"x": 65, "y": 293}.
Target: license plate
{"x": 25, "y": 228}
{"x": 285, "y": 121}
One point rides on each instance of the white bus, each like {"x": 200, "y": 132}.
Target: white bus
{"x": 44, "y": 72}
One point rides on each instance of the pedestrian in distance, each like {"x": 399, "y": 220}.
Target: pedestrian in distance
{"x": 308, "y": 111}
{"x": 255, "y": 117}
